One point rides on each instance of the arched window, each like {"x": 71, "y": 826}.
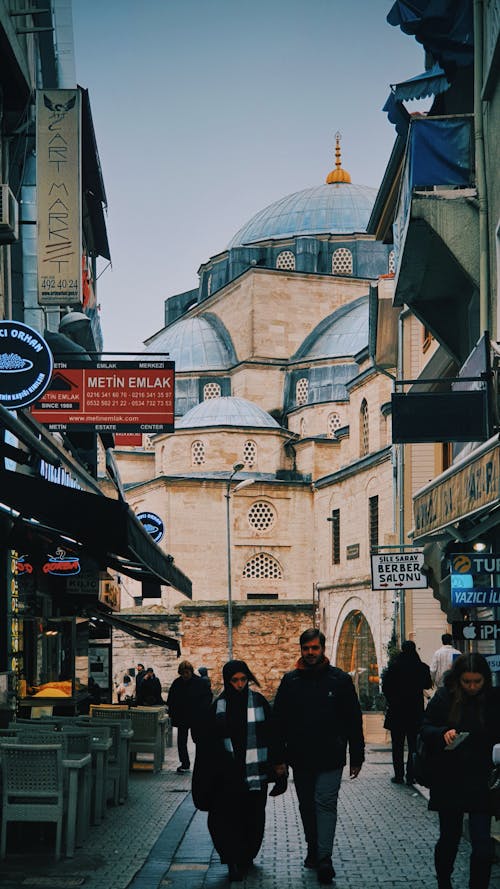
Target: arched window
{"x": 364, "y": 431}
{"x": 342, "y": 262}
{"x": 261, "y": 516}
{"x": 333, "y": 423}
{"x": 285, "y": 260}
{"x": 263, "y": 566}
{"x": 249, "y": 454}
{"x": 302, "y": 427}
{"x": 211, "y": 390}
{"x": 197, "y": 453}
{"x": 302, "y": 390}
{"x": 392, "y": 263}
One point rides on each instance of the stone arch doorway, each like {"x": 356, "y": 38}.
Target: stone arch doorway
{"x": 356, "y": 655}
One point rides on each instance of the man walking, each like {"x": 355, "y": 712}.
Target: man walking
{"x": 318, "y": 715}
{"x": 442, "y": 659}
{"x": 188, "y": 701}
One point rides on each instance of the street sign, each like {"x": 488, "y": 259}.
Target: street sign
{"x": 396, "y": 571}
{"x": 477, "y": 630}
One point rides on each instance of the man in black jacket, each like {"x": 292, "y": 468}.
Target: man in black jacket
{"x": 318, "y": 715}
{"x": 188, "y": 701}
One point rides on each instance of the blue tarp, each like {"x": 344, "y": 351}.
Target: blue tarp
{"x": 441, "y": 153}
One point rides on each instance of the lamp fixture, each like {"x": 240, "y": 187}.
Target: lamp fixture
{"x": 479, "y": 546}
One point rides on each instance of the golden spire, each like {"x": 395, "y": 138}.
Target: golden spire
{"x": 338, "y": 174}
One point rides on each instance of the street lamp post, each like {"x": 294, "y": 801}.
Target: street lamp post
{"x": 248, "y": 481}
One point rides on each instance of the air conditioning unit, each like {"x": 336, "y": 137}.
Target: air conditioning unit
{"x": 9, "y": 226}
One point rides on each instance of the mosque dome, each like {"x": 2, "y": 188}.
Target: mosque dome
{"x": 342, "y": 334}
{"x": 199, "y": 343}
{"x": 336, "y": 208}
{"x": 226, "y": 411}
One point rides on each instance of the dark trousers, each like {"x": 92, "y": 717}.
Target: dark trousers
{"x": 317, "y": 794}
{"x": 398, "y": 737}
{"x": 450, "y": 832}
{"x": 236, "y": 822}
{"x": 182, "y": 745}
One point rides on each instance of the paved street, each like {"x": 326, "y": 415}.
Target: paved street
{"x": 157, "y": 839}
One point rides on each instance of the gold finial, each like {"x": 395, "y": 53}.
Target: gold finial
{"x": 338, "y": 174}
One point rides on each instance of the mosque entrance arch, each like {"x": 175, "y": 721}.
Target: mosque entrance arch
{"x": 356, "y": 656}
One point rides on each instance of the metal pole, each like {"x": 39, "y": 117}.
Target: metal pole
{"x": 229, "y": 591}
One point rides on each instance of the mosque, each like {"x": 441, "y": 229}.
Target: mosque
{"x": 278, "y": 480}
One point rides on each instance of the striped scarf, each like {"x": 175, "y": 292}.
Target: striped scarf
{"x": 256, "y": 767}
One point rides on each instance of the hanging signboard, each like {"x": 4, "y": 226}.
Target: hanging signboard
{"x": 470, "y": 573}
{"x": 477, "y": 630}
{"x": 25, "y": 364}
{"x": 396, "y": 571}
{"x": 109, "y": 396}
{"x": 153, "y": 524}
{"x": 58, "y": 185}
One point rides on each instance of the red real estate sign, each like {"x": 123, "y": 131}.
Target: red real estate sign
{"x": 109, "y": 396}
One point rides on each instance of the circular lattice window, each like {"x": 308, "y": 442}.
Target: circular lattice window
{"x": 302, "y": 390}
{"x": 334, "y": 423}
{"x": 286, "y": 260}
{"x": 197, "y": 453}
{"x": 342, "y": 262}
{"x": 261, "y": 516}
{"x": 211, "y": 390}
{"x": 249, "y": 453}
{"x": 264, "y": 566}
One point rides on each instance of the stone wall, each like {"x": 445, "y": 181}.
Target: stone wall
{"x": 127, "y": 651}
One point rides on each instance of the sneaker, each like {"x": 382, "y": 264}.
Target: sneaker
{"x": 326, "y": 872}
{"x": 182, "y": 770}
{"x": 310, "y": 860}
{"x": 397, "y": 780}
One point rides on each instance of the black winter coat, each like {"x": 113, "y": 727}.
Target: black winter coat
{"x": 403, "y": 683}
{"x": 188, "y": 701}
{"x": 459, "y": 777}
{"x": 318, "y": 715}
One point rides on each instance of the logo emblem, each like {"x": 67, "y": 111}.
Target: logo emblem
{"x": 25, "y": 364}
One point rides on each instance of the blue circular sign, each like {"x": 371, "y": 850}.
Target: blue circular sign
{"x": 25, "y": 364}
{"x": 153, "y": 524}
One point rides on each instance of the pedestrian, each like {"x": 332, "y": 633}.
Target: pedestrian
{"x": 139, "y": 676}
{"x": 236, "y": 757}
{"x": 188, "y": 700}
{"x": 125, "y": 690}
{"x": 442, "y": 659}
{"x": 403, "y": 684}
{"x": 461, "y": 725}
{"x": 318, "y": 715}
{"x": 203, "y": 672}
{"x": 149, "y": 692}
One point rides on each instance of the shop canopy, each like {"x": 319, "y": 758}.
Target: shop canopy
{"x": 144, "y": 634}
{"x": 107, "y": 529}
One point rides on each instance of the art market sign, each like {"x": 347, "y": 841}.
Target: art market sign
{"x": 25, "y": 365}
{"x": 461, "y": 493}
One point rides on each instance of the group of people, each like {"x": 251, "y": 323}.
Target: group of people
{"x": 145, "y": 692}
{"x": 459, "y": 728}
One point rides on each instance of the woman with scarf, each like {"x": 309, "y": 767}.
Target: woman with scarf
{"x": 461, "y": 726}
{"x": 236, "y": 758}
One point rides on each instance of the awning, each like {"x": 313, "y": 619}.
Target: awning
{"x": 135, "y": 630}
{"x": 107, "y": 529}
{"x": 422, "y": 86}
{"x": 444, "y": 29}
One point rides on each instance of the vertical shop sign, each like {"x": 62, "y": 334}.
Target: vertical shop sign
{"x": 58, "y": 180}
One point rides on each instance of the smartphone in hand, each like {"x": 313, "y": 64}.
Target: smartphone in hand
{"x": 457, "y": 740}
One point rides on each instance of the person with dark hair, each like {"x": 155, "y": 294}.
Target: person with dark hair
{"x": 403, "y": 684}
{"x": 149, "y": 692}
{"x": 442, "y": 659}
{"x": 236, "y": 757}
{"x": 461, "y": 726}
{"x": 139, "y": 676}
{"x": 318, "y": 715}
{"x": 188, "y": 699}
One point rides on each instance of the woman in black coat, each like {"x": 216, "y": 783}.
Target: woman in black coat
{"x": 461, "y": 725}
{"x": 403, "y": 684}
{"x": 236, "y": 757}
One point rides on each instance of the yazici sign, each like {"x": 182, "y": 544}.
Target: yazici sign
{"x": 396, "y": 571}
{"x": 109, "y": 396}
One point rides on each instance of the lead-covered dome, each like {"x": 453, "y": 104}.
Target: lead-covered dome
{"x": 344, "y": 333}
{"x": 337, "y": 208}
{"x": 227, "y": 411}
{"x": 198, "y": 343}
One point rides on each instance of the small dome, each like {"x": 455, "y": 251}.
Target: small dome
{"x": 226, "y": 411}
{"x": 344, "y": 333}
{"x": 199, "y": 343}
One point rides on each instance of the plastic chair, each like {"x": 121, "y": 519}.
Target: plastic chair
{"x": 148, "y": 736}
{"x": 113, "y": 756}
{"x": 32, "y": 787}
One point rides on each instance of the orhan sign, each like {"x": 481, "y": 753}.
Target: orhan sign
{"x": 58, "y": 178}
{"x": 462, "y": 492}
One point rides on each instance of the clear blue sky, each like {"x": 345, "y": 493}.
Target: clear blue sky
{"x": 206, "y": 111}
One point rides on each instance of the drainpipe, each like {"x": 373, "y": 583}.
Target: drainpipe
{"x": 482, "y": 192}
{"x": 400, "y": 483}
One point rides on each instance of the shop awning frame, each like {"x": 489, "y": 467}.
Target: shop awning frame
{"x": 144, "y": 634}
{"x": 107, "y": 529}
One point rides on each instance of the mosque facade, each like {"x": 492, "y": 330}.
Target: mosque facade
{"x": 281, "y": 460}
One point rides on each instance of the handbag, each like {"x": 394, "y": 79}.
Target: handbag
{"x": 421, "y": 763}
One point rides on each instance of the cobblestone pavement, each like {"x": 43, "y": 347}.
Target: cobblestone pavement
{"x": 385, "y": 838}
